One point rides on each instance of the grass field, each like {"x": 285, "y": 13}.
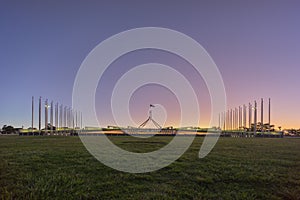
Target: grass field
{"x": 54, "y": 167}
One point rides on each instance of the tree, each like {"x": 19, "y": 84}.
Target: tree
{"x": 8, "y": 129}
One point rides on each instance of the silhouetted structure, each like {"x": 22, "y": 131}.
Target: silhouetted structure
{"x": 150, "y": 119}
{"x": 235, "y": 120}
{"x": 57, "y": 119}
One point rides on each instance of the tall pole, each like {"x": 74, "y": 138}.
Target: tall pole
{"x": 40, "y": 113}
{"x": 269, "y": 127}
{"x": 219, "y": 120}
{"x": 228, "y": 122}
{"x": 69, "y": 116}
{"x": 51, "y": 116}
{"x": 234, "y": 118}
{"x": 65, "y": 116}
{"x": 56, "y": 115}
{"x": 81, "y": 120}
{"x": 77, "y": 118}
{"x": 61, "y": 116}
{"x": 72, "y": 118}
{"x": 262, "y": 115}
{"x": 231, "y": 119}
{"x": 46, "y": 116}
{"x": 72, "y": 112}
{"x": 32, "y": 112}
{"x": 224, "y": 120}
{"x": 239, "y": 118}
{"x": 245, "y": 116}
{"x": 250, "y": 116}
{"x": 242, "y": 116}
{"x": 255, "y": 117}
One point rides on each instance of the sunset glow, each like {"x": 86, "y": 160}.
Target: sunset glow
{"x": 254, "y": 44}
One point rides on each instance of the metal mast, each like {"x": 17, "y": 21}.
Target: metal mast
{"x": 61, "y": 116}
{"x": 51, "y": 116}
{"x": 255, "y": 117}
{"x": 269, "y": 114}
{"x": 40, "y": 113}
{"x": 32, "y": 112}
{"x": 250, "y": 116}
{"x": 245, "y": 116}
{"x": 46, "y": 116}
{"x": 150, "y": 119}
{"x": 262, "y": 115}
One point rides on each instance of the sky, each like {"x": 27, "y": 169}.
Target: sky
{"x": 255, "y": 45}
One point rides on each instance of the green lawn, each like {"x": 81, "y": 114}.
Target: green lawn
{"x": 53, "y": 167}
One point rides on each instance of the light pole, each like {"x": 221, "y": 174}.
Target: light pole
{"x": 224, "y": 120}
{"x": 40, "y": 114}
{"x": 80, "y": 120}
{"x": 46, "y": 116}
{"x": 231, "y": 120}
{"x": 245, "y": 116}
{"x": 262, "y": 115}
{"x": 61, "y": 116}
{"x": 269, "y": 115}
{"x": 51, "y": 117}
{"x": 32, "y": 112}
{"x": 255, "y": 117}
{"x": 56, "y": 116}
{"x": 250, "y": 116}
{"x": 65, "y": 116}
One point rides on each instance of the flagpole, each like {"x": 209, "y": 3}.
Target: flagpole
{"x": 32, "y": 113}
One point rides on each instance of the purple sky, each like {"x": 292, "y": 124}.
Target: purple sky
{"x": 255, "y": 44}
